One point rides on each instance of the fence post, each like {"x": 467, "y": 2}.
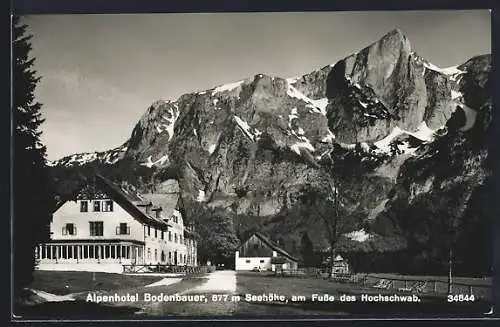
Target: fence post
{"x": 470, "y": 289}
{"x": 435, "y": 286}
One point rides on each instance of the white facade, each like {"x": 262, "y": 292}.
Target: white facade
{"x": 172, "y": 247}
{"x": 100, "y": 231}
{"x": 249, "y": 263}
{"x": 258, "y": 252}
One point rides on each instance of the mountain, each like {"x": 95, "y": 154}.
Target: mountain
{"x": 383, "y": 120}
{"x": 105, "y": 157}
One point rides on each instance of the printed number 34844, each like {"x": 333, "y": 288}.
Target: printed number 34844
{"x": 460, "y": 298}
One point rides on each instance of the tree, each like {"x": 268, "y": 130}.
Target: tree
{"x": 31, "y": 186}
{"x": 306, "y": 250}
{"x": 324, "y": 202}
{"x": 451, "y": 212}
{"x": 329, "y": 200}
{"x": 217, "y": 240}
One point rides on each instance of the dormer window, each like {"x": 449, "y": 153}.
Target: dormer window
{"x": 107, "y": 206}
{"x": 84, "y": 206}
{"x": 97, "y": 206}
{"x": 157, "y": 211}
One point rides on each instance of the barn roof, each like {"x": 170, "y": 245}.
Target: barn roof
{"x": 273, "y": 246}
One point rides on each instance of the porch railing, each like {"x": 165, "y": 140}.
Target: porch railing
{"x": 158, "y": 268}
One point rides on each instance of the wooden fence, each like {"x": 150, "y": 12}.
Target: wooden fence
{"x": 479, "y": 287}
{"x": 145, "y": 269}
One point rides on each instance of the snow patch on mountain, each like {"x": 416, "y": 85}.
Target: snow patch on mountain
{"x": 358, "y": 236}
{"x": 455, "y": 95}
{"x": 447, "y": 71}
{"x": 201, "y": 196}
{"x": 470, "y": 117}
{"x": 328, "y": 138}
{"x": 161, "y": 161}
{"x": 384, "y": 144}
{"x": 212, "y": 148}
{"x": 316, "y": 105}
{"x": 423, "y": 133}
{"x": 252, "y": 133}
{"x": 321, "y": 105}
{"x": 306, "y": 144}
{"x": 170, "y": 123}
{"x": 293, "y": 115}
{"x": 227, "y": 87}
{"x": 78, "y": 159}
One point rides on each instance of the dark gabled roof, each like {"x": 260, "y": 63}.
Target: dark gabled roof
{"x": 130, "y": 201}
{"x": 273, "y": 246}
{"x": 71, "y": 196}
{"x": 166, "y": 201}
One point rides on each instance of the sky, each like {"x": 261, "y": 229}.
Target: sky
{"x": 100, "y": 73}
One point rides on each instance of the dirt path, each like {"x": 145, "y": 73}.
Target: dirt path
{"x": 220, "y": 281}
{"x": 215, "y": 293}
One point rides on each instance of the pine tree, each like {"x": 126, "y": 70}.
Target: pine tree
{"x": 31, "y": 187}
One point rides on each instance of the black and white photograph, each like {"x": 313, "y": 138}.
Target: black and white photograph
{"x": 252, "y": 165}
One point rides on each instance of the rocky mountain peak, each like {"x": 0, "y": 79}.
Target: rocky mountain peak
{"x": 251, "y": 146}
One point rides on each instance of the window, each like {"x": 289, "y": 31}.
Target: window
{"x": 162, "y": 235}
{"x": 156, "y": 233}
{"x": 97, "y": 206}
{"x": 156, "y": 255}
{"x": 170, "y": 236}
{"x": 69, "y": 229}
{"x": 123, "y": 229}
{"x": 261, "y": 261}
{"x": 247, "y": 261}
{"x": 84, "y": 206}
{"x": 162, "y": 256}
{"x": 175, "y": 238}
{"x": 149, "y": 253}
{"x": 96, "y": 228}
{"x": 107, "y": 205}
{"x": 149, "y": 230}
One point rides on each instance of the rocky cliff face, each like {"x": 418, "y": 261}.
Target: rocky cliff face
{"x": 250, "y": 146}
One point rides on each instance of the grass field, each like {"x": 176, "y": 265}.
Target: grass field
{"x": 258, "y": 284}
{"x": 246, "y": 282}
{"x": 67, "y": 282}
